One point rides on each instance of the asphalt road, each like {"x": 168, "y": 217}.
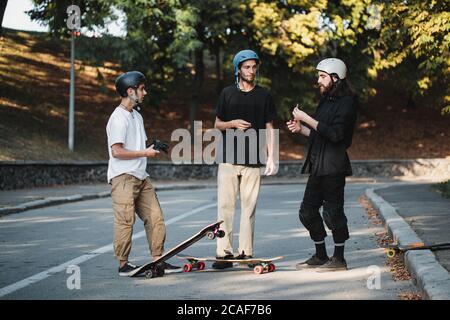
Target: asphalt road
{"x": 39, "y": 249}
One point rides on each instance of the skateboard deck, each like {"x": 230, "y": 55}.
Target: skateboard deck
{"x": 392, "y": 249}
{"x": 259, "y": 265}
{"x": 152, "y": 269}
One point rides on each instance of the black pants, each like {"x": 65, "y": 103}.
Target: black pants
{"x": 326, "y": 191}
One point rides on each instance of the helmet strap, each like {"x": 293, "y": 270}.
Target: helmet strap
{"x": 135, "y": 100}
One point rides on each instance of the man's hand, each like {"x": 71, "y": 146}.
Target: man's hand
{"x": 241, "y": 124}
{"x": 300, "y": 115}
{"x": 270, "y": 167}
{"x": 294, "y": 126}
{"x": 150, "y": 152}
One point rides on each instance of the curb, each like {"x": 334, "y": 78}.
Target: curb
{"x": 432, "y": 279}
{"x": 52, "y": 201}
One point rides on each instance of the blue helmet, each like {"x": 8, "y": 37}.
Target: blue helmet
{"x": 242, "y": 56}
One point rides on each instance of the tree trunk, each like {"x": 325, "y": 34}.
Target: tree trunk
{"x": 2, "y": 13}
{"x": 218, "y": 69}
{"x": 410, "y": 104}
{"x": 197, "y": 87}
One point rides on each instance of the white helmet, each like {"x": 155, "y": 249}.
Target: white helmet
{"x": 333, "y": 65}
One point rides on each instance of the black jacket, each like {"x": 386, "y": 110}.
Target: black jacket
{"x": 327, "y": 147}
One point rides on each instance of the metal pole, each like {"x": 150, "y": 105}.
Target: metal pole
{"x": 72, "y": 93}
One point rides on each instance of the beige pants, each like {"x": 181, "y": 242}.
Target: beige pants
{"x": 131, "y": 196}
{"x": 231, "y": 181}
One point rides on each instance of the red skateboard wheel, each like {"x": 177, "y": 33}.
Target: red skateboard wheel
{"x": 187, "y": 268}
{"x": 201, "y": 265}
{"x": 272, "y": 267}
{"x": 258, "y": 269}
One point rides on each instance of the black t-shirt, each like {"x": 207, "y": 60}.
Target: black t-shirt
{"x": 256, "y": 107}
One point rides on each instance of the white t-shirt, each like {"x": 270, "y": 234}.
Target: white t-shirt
{"x": 127, "y": 128}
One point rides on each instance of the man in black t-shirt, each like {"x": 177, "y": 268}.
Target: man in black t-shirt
{"x": 244, "y": 114}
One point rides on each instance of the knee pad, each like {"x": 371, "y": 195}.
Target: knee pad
{"x": 309, "y": 215}
{"x": 334, "y": 216}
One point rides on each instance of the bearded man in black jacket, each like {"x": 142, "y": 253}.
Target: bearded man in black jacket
{"x": 330, "y": 132}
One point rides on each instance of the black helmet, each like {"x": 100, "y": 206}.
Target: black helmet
{"x": 127, "y": 80}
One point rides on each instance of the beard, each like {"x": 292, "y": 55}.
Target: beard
{"x": 248, "y": 79}
{"x": 325, "y": 89}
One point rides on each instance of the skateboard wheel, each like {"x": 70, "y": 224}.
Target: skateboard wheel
{"x": 149, "y": 274}
{"x": 272, "y": 267}
{"x": 390, "y": 253}
{"x": 211, "y": 235}
{"x": 201, "y": 265}
{"x": 187, "y": 267}
{"x": 221, "y": 233}
{"x": 258, "y": 269}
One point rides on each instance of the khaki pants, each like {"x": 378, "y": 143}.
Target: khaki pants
{"x": 132, "y": 196}
{"x": 231, "y": 181}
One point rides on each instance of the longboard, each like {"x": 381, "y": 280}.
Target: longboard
{"x": 392, "y": 249}
{"x": 259, "y": 265}
{"x": 152, "y": 269}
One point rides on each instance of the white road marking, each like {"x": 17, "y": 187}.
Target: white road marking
{"x": 62, "y": 267}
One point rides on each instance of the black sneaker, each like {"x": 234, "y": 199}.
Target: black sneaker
{"x": 128, "y": 270}
{"x": 223, "y": 264}
{"x": 243, "y": 256}
{"x": 334, "y": 264}
{"x": 168, "y": 268}
{"x": 312, "y": 262}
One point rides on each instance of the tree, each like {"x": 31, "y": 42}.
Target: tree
{"x": 415, "y": 36}
{"x": 295, "y": 35}
{"x": 3, "y": 4}
{"x": 372, "y": 36}
{"x": 150, "y": 31}
{"x": 169, "y": 39}
{"x": 54, "y": 14}
{"x": 204, "y": 25}
{"x": 173, "y": 36}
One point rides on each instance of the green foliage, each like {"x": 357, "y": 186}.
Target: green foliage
{"x": 446, "y": 110}
{"x": 415, "y": 37}
{"x": 298, "y": 34}
{"x": 54, "y": 14}
{"x": 150, "y": 26}
{"x": 406, "y": 41}
{"x": 96, "y": 51}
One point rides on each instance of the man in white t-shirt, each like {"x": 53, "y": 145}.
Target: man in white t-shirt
{"x": 132, "y": 192}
